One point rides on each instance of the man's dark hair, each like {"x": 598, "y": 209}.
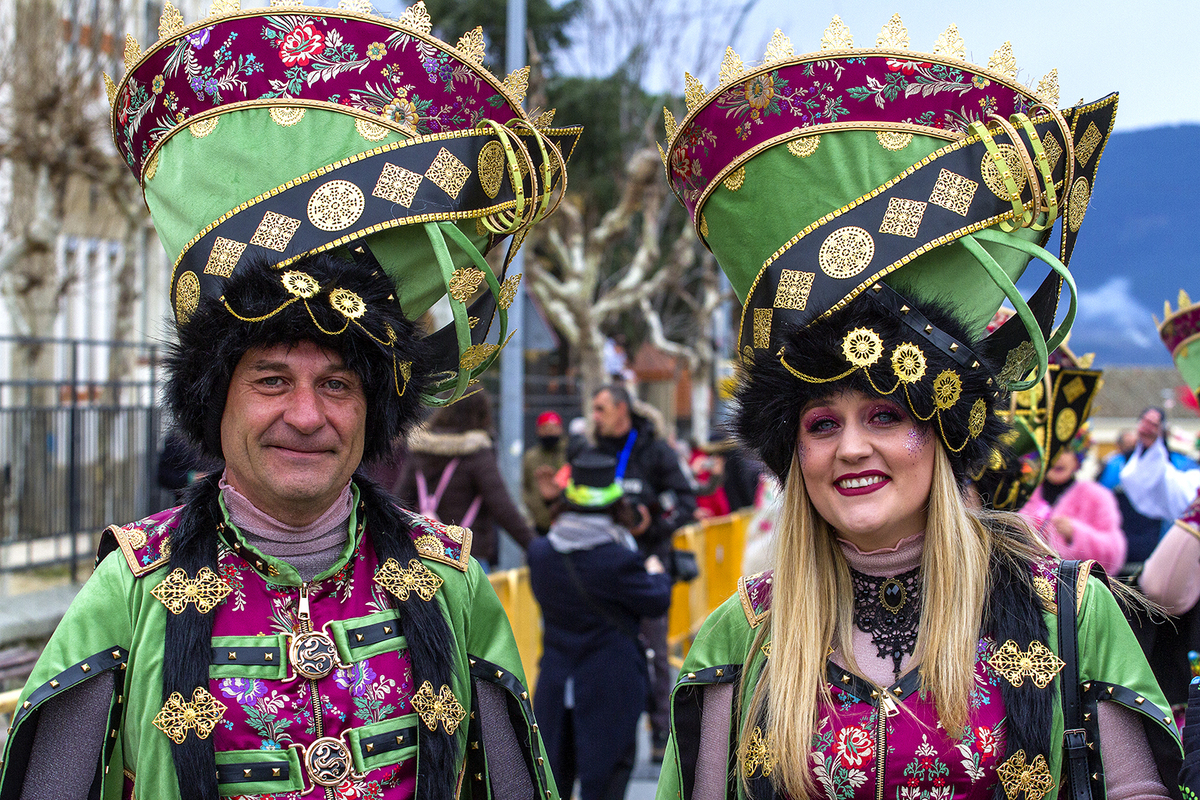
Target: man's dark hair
{"x": 619, "y": 395}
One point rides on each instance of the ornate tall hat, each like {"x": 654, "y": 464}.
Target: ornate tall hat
{"x": 916, "y": 184}
{"x": 1045, "y": 418}
{"x": 1180, "y": 332}
{"x": 276, "y": 133}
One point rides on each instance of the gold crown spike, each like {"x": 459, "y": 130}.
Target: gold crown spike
{"x": 837, "y": 36}
{"x": 950, "y": 44}
{"x": 731, "y": 66}
{"x": 110, "y": 89}
{"x": 662, "y": 153}
{"x": 693, "y": 92}
{"x": 416, "y": 18}
{"x": 1047, "y": 89}
{"x": 221, "y": 8}
{"x": 778, "y": 49}
{"x": 544, "y": 120}
{"x": 517, "y": 84}
{"x": 1004, "y": 62}
{"x": 133, "y": 51}
{"x": 471, "y": 45}
{"x": 893, "y": 36}
{"x": 669, "y": 123}
{"x": 356, "y": 6}
{"x": 170, "y": 23}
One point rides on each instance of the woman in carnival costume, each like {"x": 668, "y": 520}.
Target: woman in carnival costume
{"x": 320, "y": 178}
{"x": 872, "y": 208}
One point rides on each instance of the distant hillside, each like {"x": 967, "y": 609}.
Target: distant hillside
{"x": 1135, "y": 247}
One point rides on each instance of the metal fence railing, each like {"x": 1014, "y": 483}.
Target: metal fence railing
{"x": 79, "y": 436}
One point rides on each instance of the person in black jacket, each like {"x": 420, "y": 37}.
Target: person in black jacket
{"x": 664, "y": 496}
{"x": 593, "y": 586}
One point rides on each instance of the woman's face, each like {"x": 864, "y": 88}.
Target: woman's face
{"x": 1066, "y": 463}
{"x": 867, "y": 467}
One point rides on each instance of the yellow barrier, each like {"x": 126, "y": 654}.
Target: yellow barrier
{"x": 718, "y": 544}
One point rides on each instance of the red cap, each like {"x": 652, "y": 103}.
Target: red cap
{"x": 546, "y": 417}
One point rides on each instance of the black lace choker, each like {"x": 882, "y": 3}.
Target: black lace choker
{"x": 889, "y": 609}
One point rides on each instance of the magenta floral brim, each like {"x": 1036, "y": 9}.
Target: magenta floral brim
{"x": 1181, "y": 325}
{"x": 820, "y": 92}
{"x": 332, "y": 57}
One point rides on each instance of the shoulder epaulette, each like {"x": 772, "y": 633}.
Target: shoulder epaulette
{"x": 146, "y": 544}
{"x": 755, "y": 594}
{"x": 449, "y": 544}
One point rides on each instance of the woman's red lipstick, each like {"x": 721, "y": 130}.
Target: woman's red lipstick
{"x": 857, "y": 490}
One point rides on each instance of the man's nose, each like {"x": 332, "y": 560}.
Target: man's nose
{"x": 305, "y": 411}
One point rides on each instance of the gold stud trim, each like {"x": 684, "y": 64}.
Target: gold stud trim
{"x": 442, "y": 708}
{"x": 205, "y": 591}
{"x": 403, "y": 581}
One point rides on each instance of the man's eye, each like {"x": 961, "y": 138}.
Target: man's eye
{"x": 337, "y": 385}
{"x": 273, "y": 380}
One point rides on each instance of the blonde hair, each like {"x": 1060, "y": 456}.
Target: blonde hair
{"x": 812, "y": 607}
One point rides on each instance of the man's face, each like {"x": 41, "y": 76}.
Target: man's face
{"x": 550, "y": 429}
{"x": 293, "y": 429}
{"x": 611, "y": 419}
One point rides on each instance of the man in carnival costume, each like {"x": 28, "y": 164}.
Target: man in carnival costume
{"x": 322, "y": 178}
{"x": 873, "y": 208}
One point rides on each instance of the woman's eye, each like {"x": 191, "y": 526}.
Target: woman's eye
{"x": 821, "y": 425}
{"x": 888, "y": 416}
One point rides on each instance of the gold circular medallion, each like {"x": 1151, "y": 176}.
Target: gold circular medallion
{"x": 300, "y": 284}
{"x": 328, "y": 761}
{"x": 862, "y": 347}
{"x": 947, "y": 388}
{"x": 977, "y": 419}
{"x": 187, "y": 297}
{"x": 1031, "y": 397}
{"x": 991, "y": 174}
{"x": 846, "y": 252}
{"x": 1065, "y": 424}
{"x": 314, "y": 655}
{"x": 805, "y": 146}
{"x": 908, "y": 362}
{"x": 347, "y": 303}
{"x": 735, "y": 179}
{"x": 371, "y": 131}
{"x": 151, "y": 169}
{"x": 287, "y": 117}
{"x": 893, "y": 140}
{"x": 336, "y": 205}
{"x": 204, "y": 127}
{"x": 136, "y": 538}
{"x": 491, "y": 168}
{"x": 1081, "y": 194}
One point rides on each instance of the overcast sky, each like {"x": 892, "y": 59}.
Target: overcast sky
{"x": 1145, "y": 50}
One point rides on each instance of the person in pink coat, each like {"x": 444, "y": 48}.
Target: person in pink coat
{"x": 1078, "y": 518}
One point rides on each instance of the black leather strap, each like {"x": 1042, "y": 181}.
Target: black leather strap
{"x": 1075, "y": 740}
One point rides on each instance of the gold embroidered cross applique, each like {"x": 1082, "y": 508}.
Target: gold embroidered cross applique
{"x": 442, "y": 707}
{"x": 400, "y": 581}
{"x": 1039, "y": 663}
{"x": 201, "y": 714}
{"x": 1033, "y": 778}
{"x": 206, "y": 590}
{"x": 758, "y": 754}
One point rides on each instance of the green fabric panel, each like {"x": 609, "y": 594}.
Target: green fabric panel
{"x": 408, "y": 260}
{"x": 348, "y": 652}
{"x": 198, "y": 180}
{"x": 232, "y": 669}
{"x": 294, "y": 783}
{"x": 783, "y": 193}
{"x": 364, "y": 763}
{"x": 1187, "y": 361}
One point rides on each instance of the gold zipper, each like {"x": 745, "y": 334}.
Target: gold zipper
{"x": 304, "y": 622}
{"x": 886, "y": 709}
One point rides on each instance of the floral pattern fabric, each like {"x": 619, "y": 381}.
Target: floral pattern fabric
{"x": 367, "y": 65}
{"x": 869, "y": 90}
{"x": 921, "y": 761}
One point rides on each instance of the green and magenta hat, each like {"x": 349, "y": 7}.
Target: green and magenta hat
{"x": 275, "y": 133}
{"x": 814, "y": 177}
{"x": 1180, "y": 332}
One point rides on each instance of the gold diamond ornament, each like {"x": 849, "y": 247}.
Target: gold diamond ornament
{"x": 205, "y": 591}
{"x": 953, "y": 192}
{"x": 275, "y": 231}
{"x": 1077, "y": 203}
{"x": 442, "y": 708}
{"x": 1074, "y": 389}
{"x": 903, "y": 217}
{"x": 448, "y": 173}
{"x": 200, "y": 714}
{"x": 397, "y": 185}
{"x": 793, "y": 289}
{"x": 762, "y": 327}
{"x": 1088, "y": 144}
{"x": 223, "y": 257}
{"x": 403, "y": 581}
